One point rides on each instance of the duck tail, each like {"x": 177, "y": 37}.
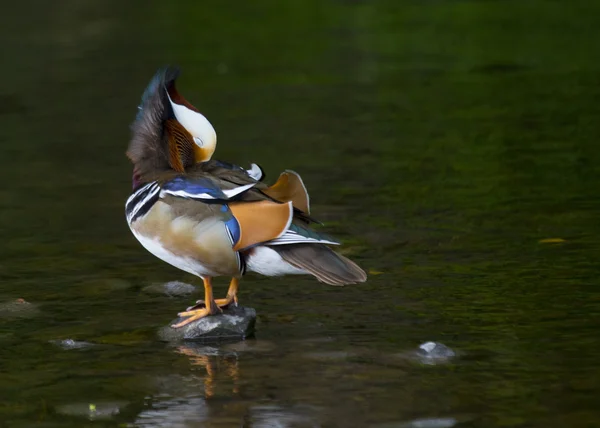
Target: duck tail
{"x": 322, "y": 262}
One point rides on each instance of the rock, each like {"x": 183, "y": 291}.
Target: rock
{"x": 171, "y": 289}
{"x": 431, "y": 423}
{"x": 68, "y": 344}
{"x": 235, "y": 323}
{"x": 420, "y": 423}
{"x": 18, "y": 308}
{"x": 92, "y": 411}
{"x": 434, "y": 352}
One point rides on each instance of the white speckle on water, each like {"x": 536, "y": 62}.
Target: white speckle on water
{"x": 434, "y": 353}
{"x": 428, "y": 346}
{"x": 69, "y": 344}
{"x": 420, "y": 423}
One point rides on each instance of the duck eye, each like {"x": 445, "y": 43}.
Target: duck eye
{"x": 198, "y": 142}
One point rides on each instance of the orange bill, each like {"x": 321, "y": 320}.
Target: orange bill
{"x": 260, "y": 221}
{"x": 289, "y": 187}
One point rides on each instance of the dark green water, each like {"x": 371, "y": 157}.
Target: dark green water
{"x": 440, "y": 140}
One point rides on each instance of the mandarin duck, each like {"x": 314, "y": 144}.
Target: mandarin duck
{"x": 212, "y": 218}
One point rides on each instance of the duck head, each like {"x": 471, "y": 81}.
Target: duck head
{"x": 194, "y": 122}
{"x": 168, "y": 133}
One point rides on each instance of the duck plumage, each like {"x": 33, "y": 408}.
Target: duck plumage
{"x": 212, "y": 218}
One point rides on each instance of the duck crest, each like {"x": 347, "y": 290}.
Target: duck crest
{"x": 168, "y": 133}
{"x": 148, "y": 148}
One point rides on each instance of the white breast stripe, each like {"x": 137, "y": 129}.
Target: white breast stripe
{"x": 137, "y": 192}
{"x": 152, "y": 189}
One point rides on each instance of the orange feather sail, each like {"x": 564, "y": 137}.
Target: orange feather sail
{"x": 260, "y": 221}
{"x": 289, "y": 187}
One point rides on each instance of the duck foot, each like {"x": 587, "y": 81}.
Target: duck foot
{"x": 193, "y": 315}
{"x": 221, "y": 303}
{"x": 210, "y": 309}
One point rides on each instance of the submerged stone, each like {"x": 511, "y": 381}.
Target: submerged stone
{"x": 420, "y": 423}
{"x": 171, "y": 289}
{"x": 92, "y": 411}
{"x": 434, "y": 352}
{"x": 69, "y": 344}
{"x": 233, "y": 324}
{"x": 18, "y": 308}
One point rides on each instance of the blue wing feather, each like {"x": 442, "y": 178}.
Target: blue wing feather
{"x": 202, "y": 189}
{"x": 198, "y": 187}
{"x": 232, "y": 225}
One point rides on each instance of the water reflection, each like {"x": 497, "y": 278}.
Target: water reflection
{"x": 249, "y": 384}
{"x": 273, "y": 416}
{"x": 212, "y": 394}
{"x": 215, "y": 364}
{"x": 177, "y": 413}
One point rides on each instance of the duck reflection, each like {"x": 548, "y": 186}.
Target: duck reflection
{"x": 218, "y": 366}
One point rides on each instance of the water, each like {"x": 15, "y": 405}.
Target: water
{"x": 442, "y": 141}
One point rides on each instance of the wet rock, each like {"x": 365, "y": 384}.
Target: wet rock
{"x": 18, "y": 308}
{"x": 420, "y": 423}
{"x": 434, "y": 352}
{"x": 92, "y": 411}
{"x": 69, "y": 344}
{"x": 171, "y": 289}
{"x": 431, "y": 423}
{"x": 429, "y": 353}
{"x": 235, "y": 323}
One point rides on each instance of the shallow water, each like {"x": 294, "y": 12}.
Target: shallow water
{"x": 451, "y": 145}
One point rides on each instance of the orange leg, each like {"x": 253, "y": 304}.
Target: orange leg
{"x": 234, "y": 286}
{"x": 210, "y": 309}
{"x": 231, "y": 296}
